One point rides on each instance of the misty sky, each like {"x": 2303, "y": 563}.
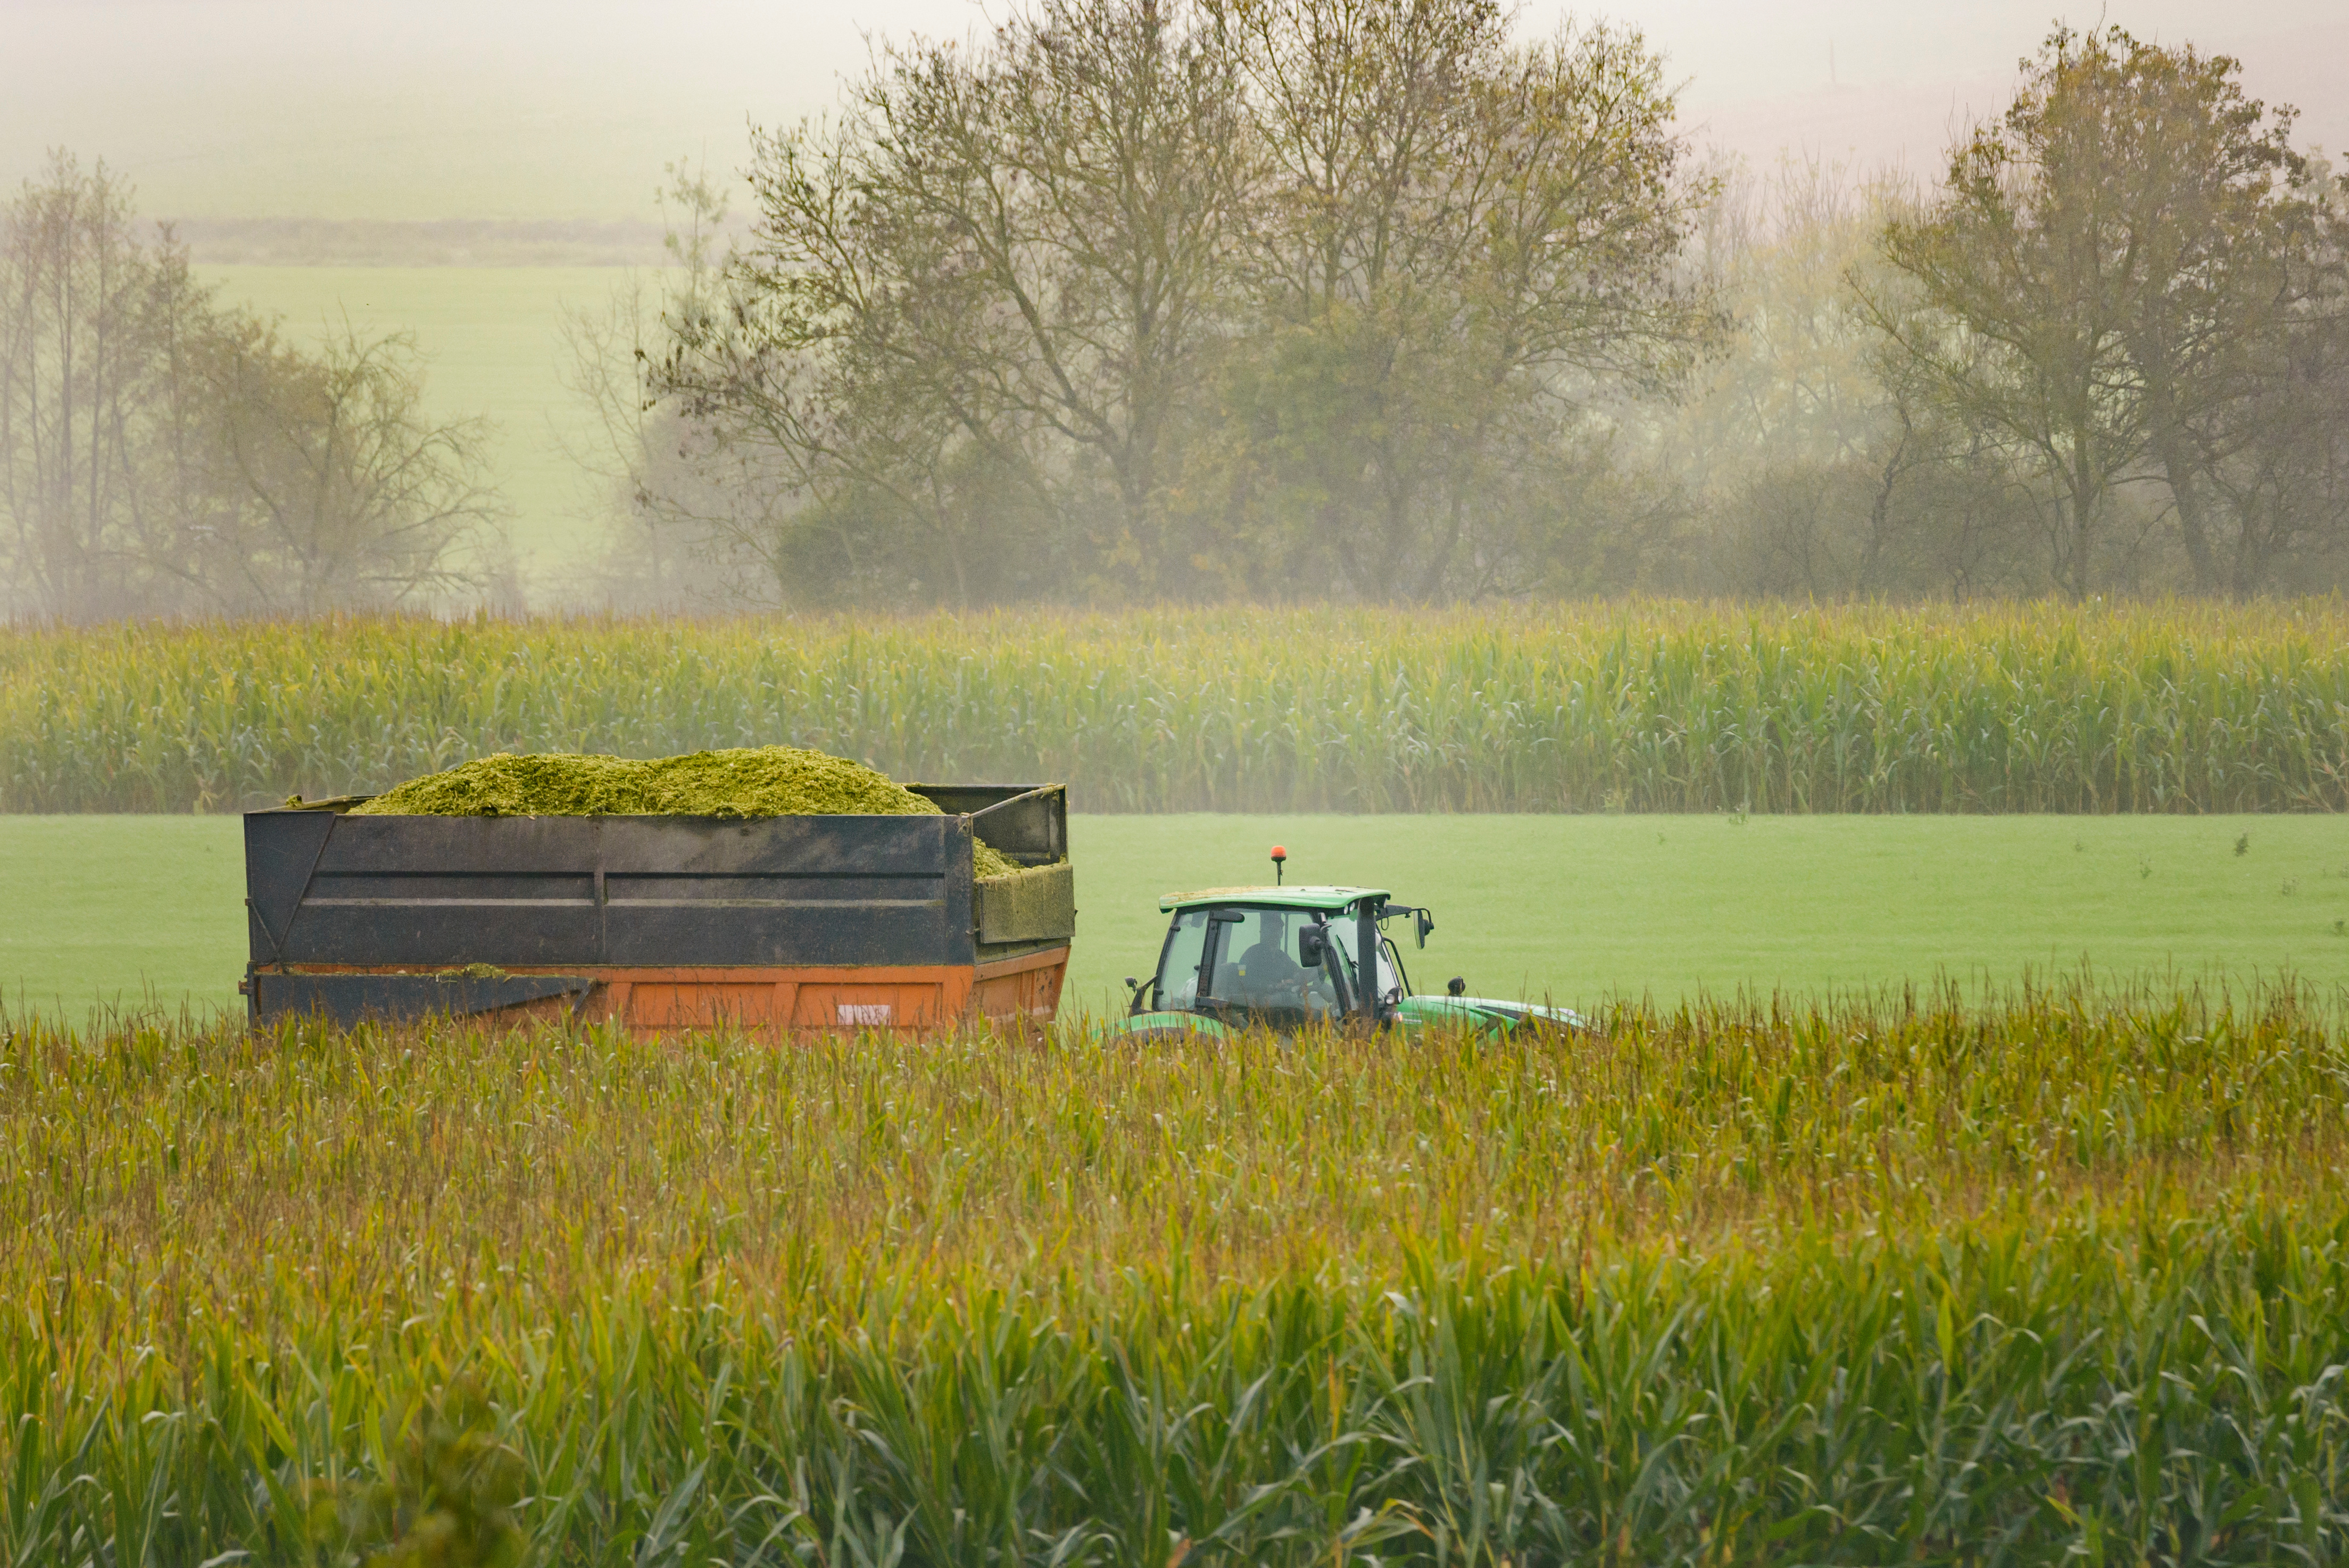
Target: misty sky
{"x": 425, "y": 109}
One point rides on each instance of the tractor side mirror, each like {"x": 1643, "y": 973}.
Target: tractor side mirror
{"x": 1425, "y": 923}
{"x": 1313, "y": 947}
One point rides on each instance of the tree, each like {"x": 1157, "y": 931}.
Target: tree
{"x": 989, "y": 254}
{"x": 1456, "y": 241}
{"x": 160, "y": 455}
{"x": 2204, "y": 177}
{"x": 2277, "y": 459}
{"x": 1202, "y": 297}
{"x": 353, "y": 497}
{"x": 71, "y": 288}
{"x": 2096, "y": 270}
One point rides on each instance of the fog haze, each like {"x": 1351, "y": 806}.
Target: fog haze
{"x": 248, "y": 108}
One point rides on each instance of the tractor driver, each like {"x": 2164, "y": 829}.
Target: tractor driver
{"x": 1268, "y": 973}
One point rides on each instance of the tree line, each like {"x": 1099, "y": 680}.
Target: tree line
{"x": 1356, "y": 300}
{"x": 162, "y": 454}
{"x": 1366, "y": 299}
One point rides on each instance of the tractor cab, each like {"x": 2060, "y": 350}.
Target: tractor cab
{"x": 1282, "y": 957}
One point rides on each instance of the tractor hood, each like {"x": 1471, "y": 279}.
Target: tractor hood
{"x": 1490, "y": 1013}
{"x": 1442, "y": 1010}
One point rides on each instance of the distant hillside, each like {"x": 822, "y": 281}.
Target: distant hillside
{"x": 455, "y": 242}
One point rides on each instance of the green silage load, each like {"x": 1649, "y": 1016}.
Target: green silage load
{"x": 744, "y": 781}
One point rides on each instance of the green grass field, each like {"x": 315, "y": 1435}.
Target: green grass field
{"x": 492, "y": 337}
{"x": 121, "y": 909}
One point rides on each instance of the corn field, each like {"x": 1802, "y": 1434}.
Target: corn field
{"x": 1638, "y": 707}
{"x": 2027, "y": 1277}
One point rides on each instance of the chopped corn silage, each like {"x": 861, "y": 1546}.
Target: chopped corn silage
{"x": 742, "y": 782}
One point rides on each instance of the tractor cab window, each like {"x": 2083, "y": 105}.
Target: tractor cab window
{"x": 1258, "y": 966}
{"x": 1178, "y": 965}
{"x": 1244, "y": 964}
{"x": 1342, "y": 929}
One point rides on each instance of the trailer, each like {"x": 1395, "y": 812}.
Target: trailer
{"x": 781, "y": 925}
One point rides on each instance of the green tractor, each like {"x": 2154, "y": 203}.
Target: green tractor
{"x": 1285, "y": 957}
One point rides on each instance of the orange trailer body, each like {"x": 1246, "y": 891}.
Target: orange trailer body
{"x": 783, "y": 1003}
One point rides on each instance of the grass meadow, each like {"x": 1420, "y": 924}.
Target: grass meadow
{"x": 2041, "y": 1278}
{"x": 148, "y": 911}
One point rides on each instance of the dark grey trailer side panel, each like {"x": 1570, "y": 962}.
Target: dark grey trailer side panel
{"x": 349, "y": 999}
{"x": 324, "y": 888}
{"x": 550, "y": 890}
